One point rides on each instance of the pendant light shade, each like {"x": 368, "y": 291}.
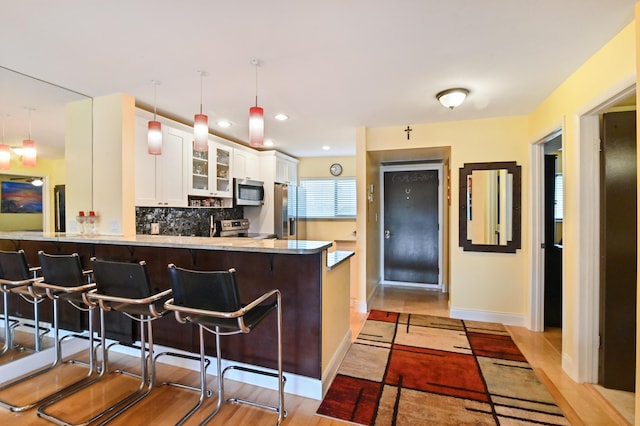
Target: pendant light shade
{"x": 200, "y": 133}
{"x": 154, "y": 129}
{"x": 29, "y": 153}
{"x": 29, "y": 147}
{"x": 154, "y": 138}
{"x": 256, "y": 126}
{"x": 256, "y": 117}
{"x": 5, "y": 152}
{"x": 5, "y": 157}
{"x": 201, "y": 125}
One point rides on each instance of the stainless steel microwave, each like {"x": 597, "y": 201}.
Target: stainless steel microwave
{"x": 248, "y": 192}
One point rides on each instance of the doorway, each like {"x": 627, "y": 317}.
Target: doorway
{"x": 553, "y": 227}
{"x": 582, "y": 364}
{"x": 411, "y": 225}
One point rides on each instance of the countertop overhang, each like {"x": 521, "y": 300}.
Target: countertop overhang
{"x": 205, "y": 243}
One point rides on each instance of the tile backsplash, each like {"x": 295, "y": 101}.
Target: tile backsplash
{"x": 182, "y": 221}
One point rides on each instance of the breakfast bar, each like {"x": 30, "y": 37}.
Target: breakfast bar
{"x": 314, "y": 287}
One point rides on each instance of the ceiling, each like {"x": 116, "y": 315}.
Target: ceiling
{"x": 331, "y": 66}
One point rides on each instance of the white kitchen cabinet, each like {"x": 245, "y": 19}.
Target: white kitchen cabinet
{"x": 159, "y": 179}
{"x": 210, "y": 173}
{"x": 246, "y": 165}
{"x": 286, "y": 169}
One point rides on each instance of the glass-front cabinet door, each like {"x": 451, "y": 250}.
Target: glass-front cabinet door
{"x": 223, "y": 169}
{"x": 200, "y": 173}
{"x": 211, "y": 172}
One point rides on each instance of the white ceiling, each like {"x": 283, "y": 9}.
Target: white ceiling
{"x": 331, "y": 65}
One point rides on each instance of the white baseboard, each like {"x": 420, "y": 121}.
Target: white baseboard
{"x": 499, "y": 317}
{"x": 359, "y": 305}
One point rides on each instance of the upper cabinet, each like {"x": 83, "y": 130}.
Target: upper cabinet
{"x": 159, "y": 179}
{"x": 286, "y": 169}
{"x": 246, "y": 165}
{"x": 210, "y": 172}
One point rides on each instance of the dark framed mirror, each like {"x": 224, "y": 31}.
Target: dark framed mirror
{"x": 490, "y": 207}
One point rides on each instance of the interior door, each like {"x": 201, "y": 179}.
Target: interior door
{"x": 552, "y": 249}
{"x": 618, "y": 279}
{"x": 411, "y": 230}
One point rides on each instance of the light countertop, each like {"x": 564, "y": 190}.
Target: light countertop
{"x": 205, "y": 243}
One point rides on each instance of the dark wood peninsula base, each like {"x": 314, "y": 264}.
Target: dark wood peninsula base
{"x": 301, "y": 275}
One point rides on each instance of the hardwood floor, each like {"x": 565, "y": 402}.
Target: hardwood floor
{"x": 165, "y": 405}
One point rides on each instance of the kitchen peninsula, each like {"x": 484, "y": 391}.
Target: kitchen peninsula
{"x": 314, "y": 287}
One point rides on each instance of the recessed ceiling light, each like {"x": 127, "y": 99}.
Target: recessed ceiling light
{"x": 281, "y": 117}
{"x": 224, "y": 123}
{"x": 268, "y": 142}
{"x": 326, "y": 147}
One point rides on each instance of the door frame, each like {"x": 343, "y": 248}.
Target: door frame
{"x": 536, "y": 225}
{"x": 412, "y": 167}
{"x": 582, "y": 364}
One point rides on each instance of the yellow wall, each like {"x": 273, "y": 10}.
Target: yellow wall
{"x": 318, "y": 229}
{"x": 606, "y": 73}
{"x": 489, "y": 282}
{"x": 53, "y": 171}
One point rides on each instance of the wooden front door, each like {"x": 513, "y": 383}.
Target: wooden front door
{"x": 411, "y": 237}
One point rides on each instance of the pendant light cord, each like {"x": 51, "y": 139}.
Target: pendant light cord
{"x": 29, "y": 115}
{"x": 257, "y": 63}
{"x": 201, "y": 79}
{"x": 155, "y": 98}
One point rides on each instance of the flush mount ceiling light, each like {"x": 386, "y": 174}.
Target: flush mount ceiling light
{"x": 452, "y": 98}
{"x": 201, "y": 125}
{"x": 29, "y": 152}
{"x": 154, "y": 131}
{"x": 256, "y": 116}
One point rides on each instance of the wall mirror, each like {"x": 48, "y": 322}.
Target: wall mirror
{"x": 29, "y": 105}
{"x": 490, "y": 207}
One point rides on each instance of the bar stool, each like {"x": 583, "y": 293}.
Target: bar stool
{"x": 16, "y": 277}
{"x": 63, "y": 279}
{"x": 210, "y": 300}
{"x": 123, "y": 287}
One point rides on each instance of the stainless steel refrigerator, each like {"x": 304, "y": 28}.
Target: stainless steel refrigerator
{"x": 285, "y": 214}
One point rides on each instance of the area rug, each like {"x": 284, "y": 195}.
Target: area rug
{"x": 407, "y": 369}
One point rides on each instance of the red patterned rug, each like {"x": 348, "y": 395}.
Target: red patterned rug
{"x": 406, "y": 369}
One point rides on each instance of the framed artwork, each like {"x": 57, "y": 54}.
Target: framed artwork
{"x": 19, "y": 197}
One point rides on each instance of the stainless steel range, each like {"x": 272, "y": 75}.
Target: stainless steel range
{"x": 233, "y": 228}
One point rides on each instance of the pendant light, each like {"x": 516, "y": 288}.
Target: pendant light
{"x": 154, "y": 130}
{"x": 201, "y": 125}
{"x": 5, "y": 152}
{"x": 29, "y": 147}
{"x": 256, "y": 117}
